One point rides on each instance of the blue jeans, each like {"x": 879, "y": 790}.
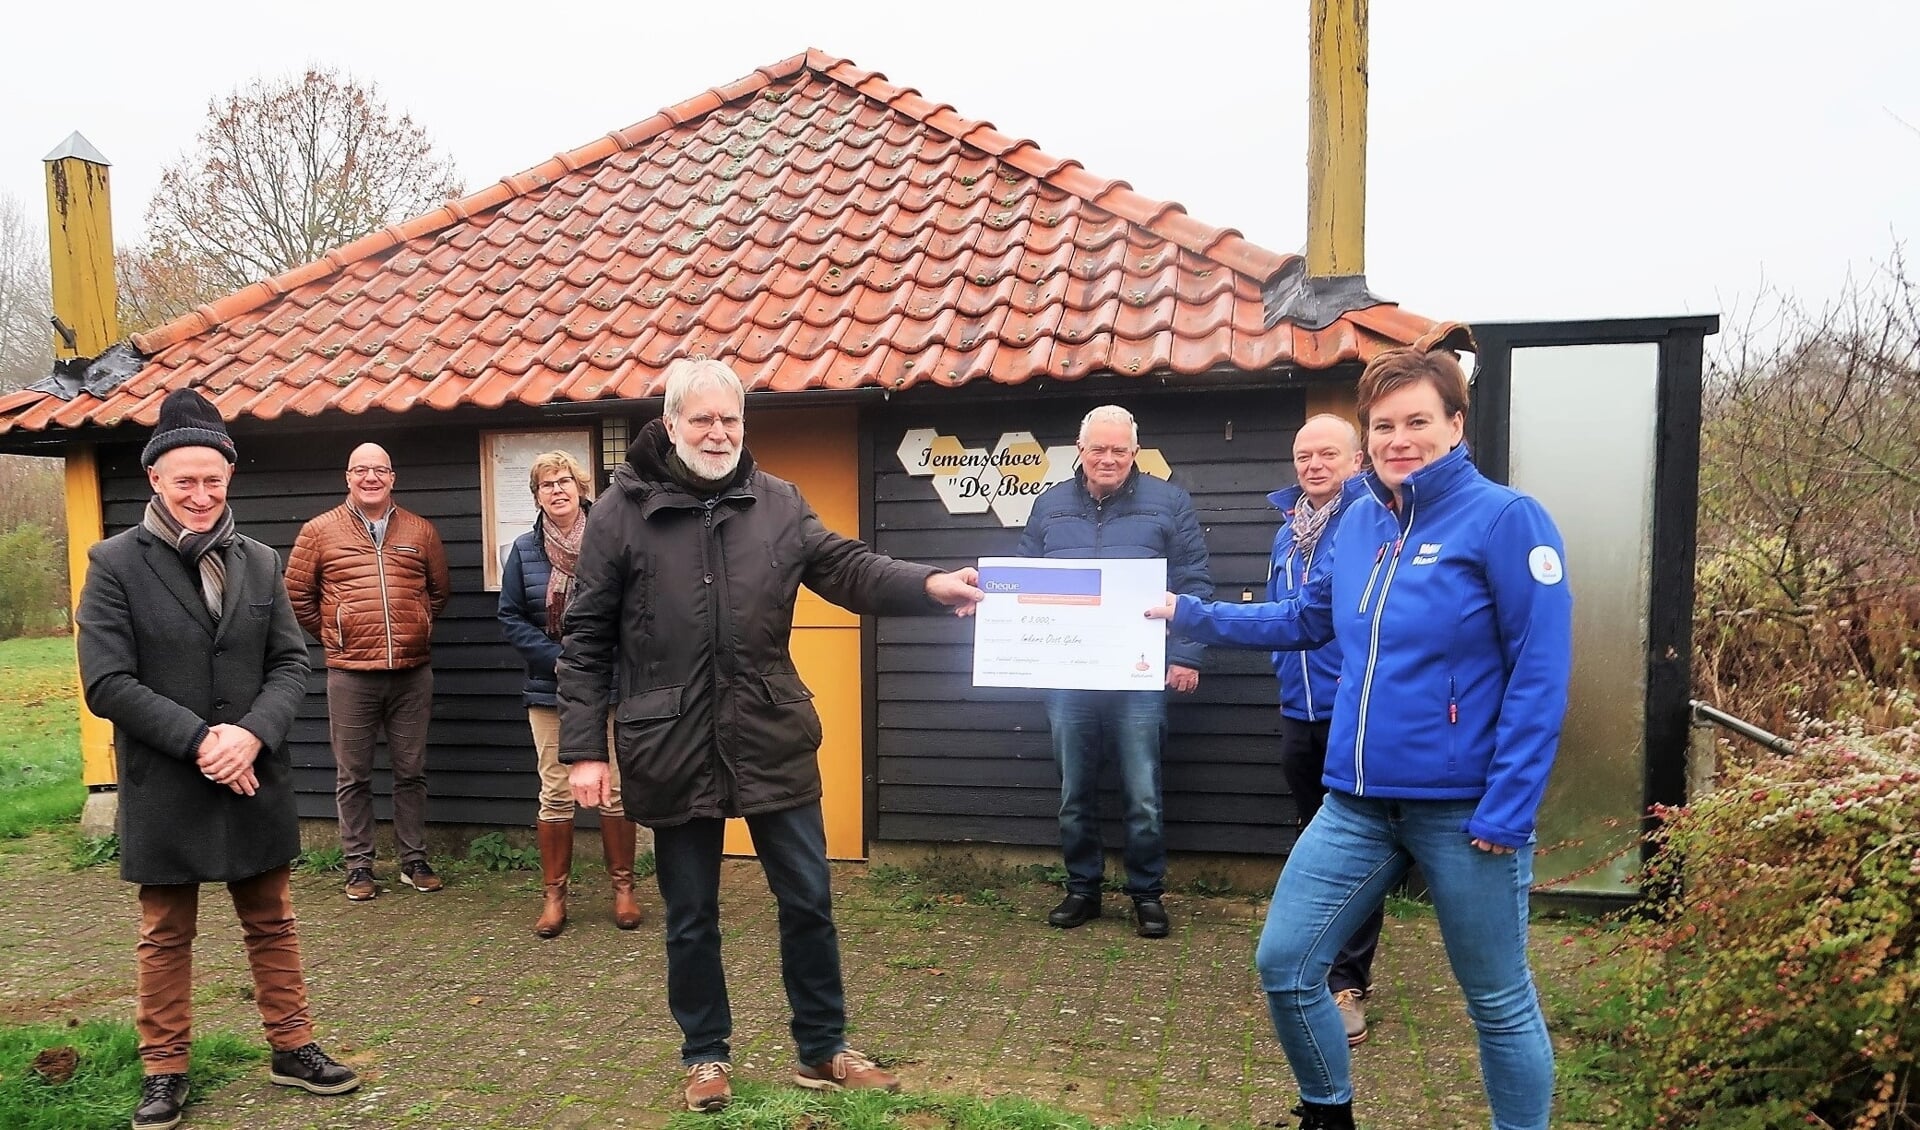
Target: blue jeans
{"x": 792, "y": 845}
{"x": 1354, "y": 852}
{"x": 1132, "y": 725}
{"x": 1303, "y": 760}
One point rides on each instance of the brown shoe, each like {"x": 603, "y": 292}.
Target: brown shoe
{"x": 360, "y": 884}
{"x": 1352, "y": 1004}
{"x": 556, "y": 863}
{"x": 848, "y": 1070}
{"x": 707, "y": 1086}
{"x": 616, "y": 842}
{"x": 420, "y": 877}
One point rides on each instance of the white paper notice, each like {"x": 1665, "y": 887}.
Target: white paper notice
{"x": 1070, "y": 624}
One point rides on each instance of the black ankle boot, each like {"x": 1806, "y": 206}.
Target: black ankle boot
{"x": 161, "y": 1097}
{"x": 1324, "y": 1116}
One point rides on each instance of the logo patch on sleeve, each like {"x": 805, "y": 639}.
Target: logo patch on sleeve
{"x": 1544, "y": 564}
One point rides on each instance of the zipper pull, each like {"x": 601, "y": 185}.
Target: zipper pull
{"x": 1380, "y": 554}
{"x": 1453, "y": 704}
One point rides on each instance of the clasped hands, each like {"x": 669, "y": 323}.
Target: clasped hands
{"x": 226, "y": 757}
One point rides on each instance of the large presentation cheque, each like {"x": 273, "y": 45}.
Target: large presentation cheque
{"x": 1069, "y": 624}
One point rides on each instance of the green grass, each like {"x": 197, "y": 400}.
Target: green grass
{"x": 106, "y": 1077}
{"x": 1402, "y": 906}
{"x": 760, "y": 1107}
{"x": 321, "y": 860}
{"x": 95, "y": 851}
{"x": 1590, "y": 1010}
{"x": 943, "y": 880}
{"x": 39, "y": 736}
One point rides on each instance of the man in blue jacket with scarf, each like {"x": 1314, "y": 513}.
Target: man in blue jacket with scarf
{"x": 1110, "y": 509}
{"x": 1326, "y": 453}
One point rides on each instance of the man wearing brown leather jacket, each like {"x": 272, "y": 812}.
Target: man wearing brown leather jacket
{"x": 367, "y": 580}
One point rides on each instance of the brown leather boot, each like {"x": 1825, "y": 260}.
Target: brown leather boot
{"x": 616, "y": 840}
{"x": 556, "y": 861}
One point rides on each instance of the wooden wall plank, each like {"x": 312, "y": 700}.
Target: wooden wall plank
{"x": 959, "y": 763}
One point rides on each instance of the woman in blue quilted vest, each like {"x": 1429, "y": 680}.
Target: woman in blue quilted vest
{"x": 536, "y": 580}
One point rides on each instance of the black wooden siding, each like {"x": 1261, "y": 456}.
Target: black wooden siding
{"x": 480, "y": 760}
{"x": 951, "y": 763}
{"x": 959, "y": 763}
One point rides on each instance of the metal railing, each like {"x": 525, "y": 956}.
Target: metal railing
{"x": 1702, "y": 712}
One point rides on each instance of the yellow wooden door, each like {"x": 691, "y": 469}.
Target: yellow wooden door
{"x": 818, "y": 451}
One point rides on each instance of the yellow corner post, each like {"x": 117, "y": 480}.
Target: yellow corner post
{"x": 80, "y": 246}
{"x": 1337, "y": 139}
{"x": 1333, "y": 399}
{"x": 84, "y": 527}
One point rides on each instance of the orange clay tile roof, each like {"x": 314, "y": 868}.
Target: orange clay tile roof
{"x": 811, "y": 224}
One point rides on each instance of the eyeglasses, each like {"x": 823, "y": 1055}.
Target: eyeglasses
{"x": 376, "y": 472}
{"x": 556, "y": 484}
{"x": 705, "y": 422}
{"x": 1101, "y": 451}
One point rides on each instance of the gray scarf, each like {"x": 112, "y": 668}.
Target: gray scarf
{"x": 1309, "y": 524}
{"x": 197, "y": 550}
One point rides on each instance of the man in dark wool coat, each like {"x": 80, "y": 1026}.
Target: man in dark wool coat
{"x": 685, "y": 587}
{"x": 189, "y": 647}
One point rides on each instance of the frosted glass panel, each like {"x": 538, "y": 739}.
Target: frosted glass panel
{"x": 1582, "y": 443}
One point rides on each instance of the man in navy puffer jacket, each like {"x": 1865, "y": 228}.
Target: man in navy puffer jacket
{"x": 1110, "y": 509}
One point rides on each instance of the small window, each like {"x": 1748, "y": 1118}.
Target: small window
{"x": 615, "y": 434}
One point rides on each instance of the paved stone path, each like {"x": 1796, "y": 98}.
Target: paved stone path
{"x": 458, "y": 1016}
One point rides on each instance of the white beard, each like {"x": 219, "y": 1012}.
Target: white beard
{"x": 712, "y": 468}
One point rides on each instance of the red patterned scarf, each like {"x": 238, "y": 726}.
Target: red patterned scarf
{"x": 563, "y": 553}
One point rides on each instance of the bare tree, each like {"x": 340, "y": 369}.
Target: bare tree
{"x": 155, "y": 287}
{"x": 26, "y": 300}
{"x": 283, "y": 172}
{"x": 33, "y": 532}
{"x": 1810, "y": 508}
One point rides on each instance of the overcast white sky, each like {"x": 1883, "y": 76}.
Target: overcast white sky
{"x": 1528, "y": 159}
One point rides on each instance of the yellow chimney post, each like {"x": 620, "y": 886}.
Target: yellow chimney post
{"x": 1337, "y": 139}
{"x": 80, "y": 235}
{"x": 80, "y": 238}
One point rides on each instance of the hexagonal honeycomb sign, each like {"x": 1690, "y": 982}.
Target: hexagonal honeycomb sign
{"x": 1023, "y": 470}
{"x": 1151, "y": 462}
{"x": 1061, "y": 462}
{"x": 963, "y": 477}
{"x": 971, "y": 480}
{"x": 916, "y": 451}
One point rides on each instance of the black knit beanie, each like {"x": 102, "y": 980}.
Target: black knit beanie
{"x": 188, "y": 420}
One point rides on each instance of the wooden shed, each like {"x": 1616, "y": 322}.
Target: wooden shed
{"x": 909, "y": 295}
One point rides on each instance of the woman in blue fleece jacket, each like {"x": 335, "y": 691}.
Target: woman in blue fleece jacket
{"x": 1448, "y": 596}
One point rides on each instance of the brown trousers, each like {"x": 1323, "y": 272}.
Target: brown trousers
{"x": 361, "y": 704}
{"x": 169, "y": 919}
